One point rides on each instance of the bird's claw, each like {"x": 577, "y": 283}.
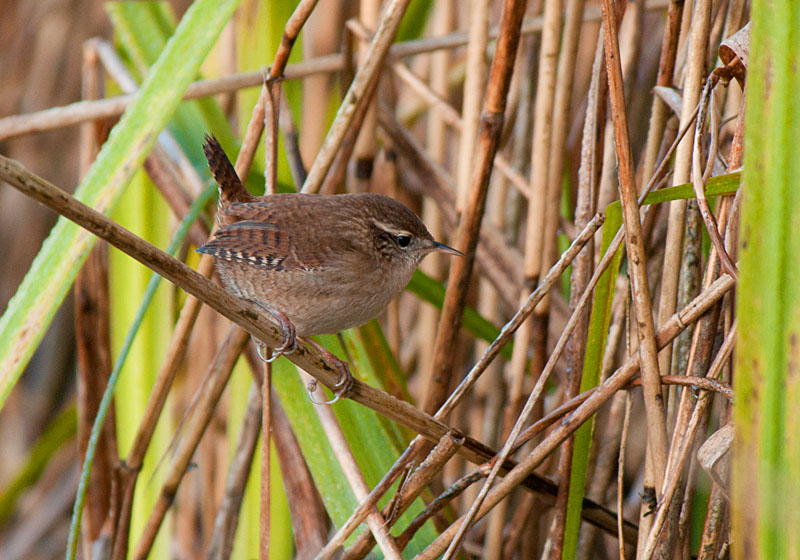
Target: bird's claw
{"x": 343, "y": 385}
{"x": 289, "y": 344}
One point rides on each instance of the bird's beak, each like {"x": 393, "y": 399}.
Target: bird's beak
{"x": 442, "y": 248}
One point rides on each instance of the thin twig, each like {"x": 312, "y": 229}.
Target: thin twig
{"x": 621, "y": 475}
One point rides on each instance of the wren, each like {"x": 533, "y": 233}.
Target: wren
{"x": 319, "y": 264}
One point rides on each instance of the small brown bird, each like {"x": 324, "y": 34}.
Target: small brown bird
{"x": 319, "y": 264}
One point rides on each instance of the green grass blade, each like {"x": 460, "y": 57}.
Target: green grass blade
{"x": 765, "y": 471}
{"x": 432, "y": 291}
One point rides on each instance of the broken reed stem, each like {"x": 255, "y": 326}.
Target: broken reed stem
{"x": 637, "y": 259}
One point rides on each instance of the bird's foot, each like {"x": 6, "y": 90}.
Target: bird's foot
{"x": 343, "y": 385}
{"x": 289, "y": 344}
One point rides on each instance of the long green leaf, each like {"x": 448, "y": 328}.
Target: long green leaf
{"x": 53, "y": 271}
{"x": 766, "y": 460}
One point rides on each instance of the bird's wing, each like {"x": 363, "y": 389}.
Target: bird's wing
{"x": 259, "y": 244}
{"x": 277, "y": 238}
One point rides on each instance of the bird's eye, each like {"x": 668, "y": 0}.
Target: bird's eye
{"x": 403, "y": 240}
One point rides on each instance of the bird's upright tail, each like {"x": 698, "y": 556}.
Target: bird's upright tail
{"x": 230, "y": 186}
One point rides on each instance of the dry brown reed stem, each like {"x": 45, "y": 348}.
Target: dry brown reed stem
{"x": 265, "y": 497}
{"x": 686, "y": 443}
{"x": 221, "y": 543}
{"x": 335, "y": 177}
{"x": 666, "y": 68}
{"x": 621, "y": 474}
{"x": 470, "y": 223}
{"x": 604, "y": 392}
{"x": 365, "y": 141}
{"x": 92, "y": 341}
{"x": 355, "y": 96}
{"x": 210, "y": 391}
{"x": 581, "y": 270}
{"x": 694, "y": 75}
{"x": 310, "y": 521}
{"x": 474, "y": 85}
{"x": 533, "y": 331}
{"x": 637, "y": 259}
{"x": 176, "y": 351}
{"x": 355, "y": 478}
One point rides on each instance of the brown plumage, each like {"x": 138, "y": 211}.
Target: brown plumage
{"x": 326, "y": 262}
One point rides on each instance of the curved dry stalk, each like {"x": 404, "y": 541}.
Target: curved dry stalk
{"x": 698, "y": 181}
